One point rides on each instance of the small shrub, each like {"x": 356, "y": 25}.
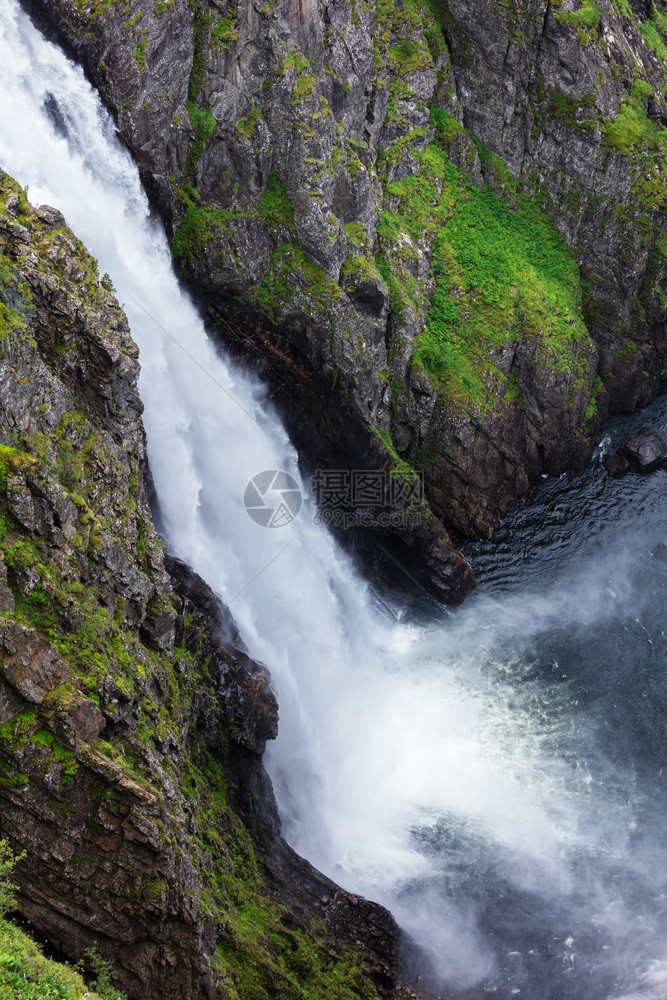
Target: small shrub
{"x": 102, "y": 969}
{"x": 8, "y": 890}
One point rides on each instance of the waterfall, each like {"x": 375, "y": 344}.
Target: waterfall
{"x": 442, "y": 765}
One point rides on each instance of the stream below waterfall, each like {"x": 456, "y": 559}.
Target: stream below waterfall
{"x": 495, "y": 776}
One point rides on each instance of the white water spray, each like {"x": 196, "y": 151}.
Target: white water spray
{"x": 388, "y": 730}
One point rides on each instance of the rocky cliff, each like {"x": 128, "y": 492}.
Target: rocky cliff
{"x": 132, "y": 720}
{"x": 437, "y": 224}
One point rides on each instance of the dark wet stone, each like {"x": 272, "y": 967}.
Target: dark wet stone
{"x": 647, "y": 449}
{"x": 616, "y": 466}
{"x": 450, "y": 574}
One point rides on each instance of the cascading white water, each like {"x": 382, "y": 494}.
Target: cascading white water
{"x": 394, "y": 734}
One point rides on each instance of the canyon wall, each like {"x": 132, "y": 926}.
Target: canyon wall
{"x": 438, "y": 227}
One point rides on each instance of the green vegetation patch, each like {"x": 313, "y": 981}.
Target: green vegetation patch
{"x": 446, "y": 128}
{"x": 274, "y": 207}
{"x": 12, "y": 459}
{"x": 10, "y": 320}
{"x": 586, "y": 20}
{"x": 500, "y": 274}
{"x": 203, "y": 122}
{"x": 574, "y": 112}
{"x": 25, "y": 974}
{"x": 201, "y": 29}
{"x": 399, "y": 152}
{"x": 407, "y": 57}
{"x": 13, "y": 319}
{"x": 632, "y": 132}
{"x": 198, "y": 225}
{"x": 654, "y": 32}
{"x": 98, "y": 7}
{"x": 360, "y": 268}
{"x": 246, "y": 126}
{"x": 224, "y": 32}
{"x": 292, "y": 271}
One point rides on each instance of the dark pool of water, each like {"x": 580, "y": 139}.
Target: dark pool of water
{"x": 597, "y": 666}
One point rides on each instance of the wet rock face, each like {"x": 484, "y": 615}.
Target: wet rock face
{"x": 132, "y": 719}
{"x": 243, "y": 684}
{"x": 308, "y": 158}
{"x": 451, "y": 576}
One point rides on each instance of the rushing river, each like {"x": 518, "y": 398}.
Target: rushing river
{"x": 494, "y": 776}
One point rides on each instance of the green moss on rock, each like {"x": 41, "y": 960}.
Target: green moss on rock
{"x": 291, "y": 271}
{"x": 274, "y": 207}
{"x": 500, "y": 273}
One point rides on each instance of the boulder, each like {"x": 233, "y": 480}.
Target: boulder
{"x": 30, "y": 664}
{"x": 646, "y": 449}
{"x": 616, "y": 465}
{"x": 450, "y": 575}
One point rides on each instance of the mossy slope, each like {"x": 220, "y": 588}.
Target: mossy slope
{"x": 25, "y": 974}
